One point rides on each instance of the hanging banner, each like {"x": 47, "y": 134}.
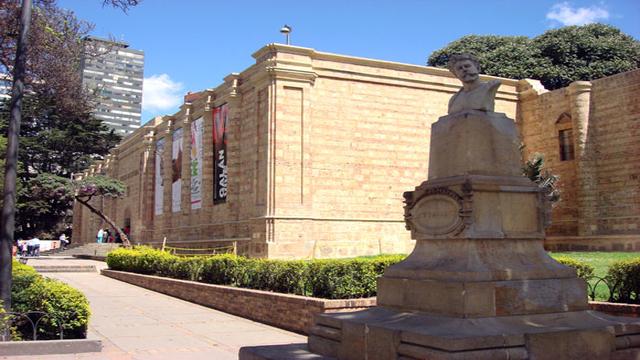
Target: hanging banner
{"x": 196, "y": 163}
{"x": 159, "y": 178}
{"x": 220, "y": 177}
{"x": 176, "y": 170}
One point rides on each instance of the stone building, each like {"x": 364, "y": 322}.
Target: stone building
{"x": 313, "y": 151}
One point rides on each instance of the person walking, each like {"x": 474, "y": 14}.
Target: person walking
{"x": 100, "y": 236}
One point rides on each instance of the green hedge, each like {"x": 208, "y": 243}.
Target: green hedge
{"x": 32, "y": 292}
{"x": 584, "y": 270}
{"x": 330, "y": 279}
{"x": 624, "y": 280}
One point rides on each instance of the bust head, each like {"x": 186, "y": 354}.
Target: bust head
{"x": 465, "y": 67}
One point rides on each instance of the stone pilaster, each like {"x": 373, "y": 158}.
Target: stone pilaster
{"x": 186, "y": 163}
{"x": 585, "y": 157}
{"x": 207, "y": 156}
{"x": 168, "y": 146}
{"x": 233, "y": 145}
{"x": 147, "y": 196}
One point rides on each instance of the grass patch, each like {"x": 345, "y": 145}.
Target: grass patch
{"x": 601, "y": 261}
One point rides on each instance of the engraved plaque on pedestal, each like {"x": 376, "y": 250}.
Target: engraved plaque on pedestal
{"x": 436, "y": 214}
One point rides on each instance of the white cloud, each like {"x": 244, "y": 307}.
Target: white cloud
{"x": 567, "y": 15}
{"x": 160, "y": 93}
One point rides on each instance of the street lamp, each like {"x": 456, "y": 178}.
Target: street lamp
{"x": 286, "y": 30}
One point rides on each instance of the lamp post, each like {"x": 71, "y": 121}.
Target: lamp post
{"x": 286, "y": 30}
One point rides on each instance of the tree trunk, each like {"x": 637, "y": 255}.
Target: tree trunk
{"x": 8, "y": 214}
{"x": 123, "y": 236}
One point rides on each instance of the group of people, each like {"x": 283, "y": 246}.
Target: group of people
{"x": 105, "y": 236}
{"x": 28, "y": 247}
{"x": 32, "y": 247}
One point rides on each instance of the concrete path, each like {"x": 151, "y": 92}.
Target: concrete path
{"x": 135, "y": 323}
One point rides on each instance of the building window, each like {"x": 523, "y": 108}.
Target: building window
{"x": 566, "y": 145}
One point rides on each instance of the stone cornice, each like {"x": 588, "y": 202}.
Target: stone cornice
{"x": 578, "y": 87}
{"x": 270, "y": 51}
{"x": 529, "y": 89}
{"x": 279, "y": 73}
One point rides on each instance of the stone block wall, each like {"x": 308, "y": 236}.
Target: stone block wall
{"x": 600, "y": 186}
{"x": 321, "y": 147}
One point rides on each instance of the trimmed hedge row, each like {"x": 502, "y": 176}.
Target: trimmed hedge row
{"x": 329, "y": 279}
{"x": 32, "y": 292}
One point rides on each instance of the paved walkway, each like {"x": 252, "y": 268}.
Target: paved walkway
{"x": 135, "y": 323}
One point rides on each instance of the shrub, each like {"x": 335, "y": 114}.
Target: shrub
{"x": 333, "y": 279}
{"x": 341, "y": 279}
{"x": 141, "y": 260}
{"x": 63, "y": 304}
{"x": 624, "y": 279}
{"x": 221, "y": 270}
{"x": 273, "y": 275}
{"x": 184, "y": 268}
{"x": 584, "y": 270}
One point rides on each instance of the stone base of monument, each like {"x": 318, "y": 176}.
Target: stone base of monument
{"x": 478, "y": 284}
{"x": 382, "y": 333}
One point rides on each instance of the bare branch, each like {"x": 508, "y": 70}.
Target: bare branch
{"x": 124, "y": 5}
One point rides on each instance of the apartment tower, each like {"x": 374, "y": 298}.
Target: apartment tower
{"x": 115, "y": 71}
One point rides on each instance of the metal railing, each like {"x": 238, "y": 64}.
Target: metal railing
{"x": 216, "y": 250}
{"x": 593, "y": 286}
{"x": 9, "y": 319}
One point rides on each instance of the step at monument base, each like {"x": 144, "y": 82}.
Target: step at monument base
{"x": 382, "y": 333}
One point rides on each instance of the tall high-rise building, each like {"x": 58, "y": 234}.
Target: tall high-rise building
{"x": 116, "y": 72}
{"x": 5, "y": 87}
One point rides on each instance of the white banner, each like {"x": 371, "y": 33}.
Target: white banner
{"x": 196, "y": 163}
{"x": 176, "y": 170}
{"x": 159, "y": 178}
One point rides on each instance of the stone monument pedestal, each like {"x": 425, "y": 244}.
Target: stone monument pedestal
{"x": 478, "y": 284}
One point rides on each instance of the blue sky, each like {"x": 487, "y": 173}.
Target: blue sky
{"x": 192, "y": 45}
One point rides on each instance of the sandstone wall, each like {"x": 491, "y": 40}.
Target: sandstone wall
{"x": 600, "y": 187}
{"x": 320, "y": 147}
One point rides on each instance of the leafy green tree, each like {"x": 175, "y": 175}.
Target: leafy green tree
{"x": 556, "y": 57}
{"x": 585, "y": 53}
{"x": 52, "y": 142}
{"x": 55, "y": 189}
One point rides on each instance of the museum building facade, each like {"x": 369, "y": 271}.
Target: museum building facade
{"x": 307, "y": 154}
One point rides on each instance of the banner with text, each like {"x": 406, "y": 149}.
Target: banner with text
{"x": 220, "y": 177}
{"x": 159, "y": 178}
{"x": 196, "y": 163}
{"x": 176, "y": 171}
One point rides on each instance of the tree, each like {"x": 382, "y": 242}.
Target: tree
{"x": 58, "y": 134}
{"x": 17, "y": 60}
{"x": 54, "y": 54}
{"x": 52, "y": 188}
{"x": 52, "y": 143}
{"x": 556, "y": 57}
